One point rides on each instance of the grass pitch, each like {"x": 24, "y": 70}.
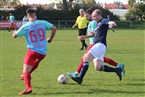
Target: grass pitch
{"x": 124, "y": 46}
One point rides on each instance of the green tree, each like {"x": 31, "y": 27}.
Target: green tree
{"x": 4, "y": 2}
{"x": 131, "y": 2}
{"x": 64, "y": 5}
{"x": 15, "y": 2}
{"x": 137, "y": 11}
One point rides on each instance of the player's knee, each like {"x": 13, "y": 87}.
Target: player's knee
{"x": 85, "y": 59}
{"x": 27, "y": 68}
{"x": 97, "y": 68}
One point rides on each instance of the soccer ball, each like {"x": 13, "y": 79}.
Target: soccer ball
{"x": 62, "y": 79}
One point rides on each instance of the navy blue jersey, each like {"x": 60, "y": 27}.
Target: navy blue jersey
{"x": 101, "y": 31}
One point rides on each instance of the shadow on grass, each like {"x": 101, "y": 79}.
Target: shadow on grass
{"x": 92, "y": 91}
{"x": 97, "y": 90}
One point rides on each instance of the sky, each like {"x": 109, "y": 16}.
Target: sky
{"x": 49, "y": 1}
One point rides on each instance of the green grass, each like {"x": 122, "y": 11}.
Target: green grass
{"x": 125, "y": 46}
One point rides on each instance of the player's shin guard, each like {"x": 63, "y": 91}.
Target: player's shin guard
{"x": 27, "y": 79}
{"x": 84, "y": 70}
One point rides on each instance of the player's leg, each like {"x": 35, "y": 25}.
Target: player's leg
{"x": 40, "y": 57}
{"x": 87, "y": 58}
{"x": 84, "y": 33}
{"x": 82, "y": 41}
{"x": 13, "y": 28}
{"x": 113, "y": 63}
{"x": 75, "y": 74}
{"x": 10, "y": 27}
{"x": 81, "y": 60}
{"x": 99, "y": 58}
{"x": 110, "y": 61}
{"x": 29, "y": 62}
{"x": 100, "y": 67}
{"x": 27, "y": 79}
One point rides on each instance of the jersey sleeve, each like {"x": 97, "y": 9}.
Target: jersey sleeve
{"x": 94, "y": 25}
{"x": 48, "y": 25}
{"x": 105, "y": 21}
{"x": 77, "y": 21}
{"x": 20, "y": 32}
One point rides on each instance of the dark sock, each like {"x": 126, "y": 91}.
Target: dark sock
{"x": 82, "y": 44}
{"x": 85, "y": 44}
{"x": 84, "y": 70}
{"x": 108, "y": 69}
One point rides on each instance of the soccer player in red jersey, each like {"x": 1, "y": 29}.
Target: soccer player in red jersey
{"x": 35, "y": 34}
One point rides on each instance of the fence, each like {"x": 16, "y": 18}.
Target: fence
{"x": 120, "y": 24}
{"x": 69, "y": 24}
{"x": 6, "y": 24}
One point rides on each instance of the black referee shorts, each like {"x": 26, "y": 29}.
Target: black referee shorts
{"x": 82, "y": 31}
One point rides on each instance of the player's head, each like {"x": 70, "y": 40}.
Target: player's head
{"x": 31, "y": 13}
{"x": 88, "y": 14}
{"x": 97, "y": 15}
{"x": 10, "y": 14}
{"x": 81, "y": 11}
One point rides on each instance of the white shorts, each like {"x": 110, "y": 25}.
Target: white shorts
{"x": 98, "y": 51}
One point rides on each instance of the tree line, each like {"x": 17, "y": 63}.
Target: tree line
{"x": 72, "y": 14}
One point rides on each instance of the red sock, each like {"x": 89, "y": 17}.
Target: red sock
{"x": 80, "y": 65}
{"x": 110, "y": 61}
{"x": 27, "y": 79}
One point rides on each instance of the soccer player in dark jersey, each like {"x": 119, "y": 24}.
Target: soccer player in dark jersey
{"x": 90, "y": 34}
{"x": 97, "y": 52}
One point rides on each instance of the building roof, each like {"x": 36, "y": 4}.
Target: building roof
{"x": 115, "y": 6}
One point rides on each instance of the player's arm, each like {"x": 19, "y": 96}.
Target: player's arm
{"x": 93, "y": 25}
{"x": 112, "y": 23}
{"x": 53, "y": 31}
{"x": 86, "y": 36}
{"x": 74, "y": 25}
{"x": 18, "y": 33}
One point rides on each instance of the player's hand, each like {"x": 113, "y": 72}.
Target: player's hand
{"x": 112, "y": 23}
{"x": 81, "y": 37}
{"x": 49, "y": 40}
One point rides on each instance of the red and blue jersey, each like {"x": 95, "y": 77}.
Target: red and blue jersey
{"x": 35, "y": 34}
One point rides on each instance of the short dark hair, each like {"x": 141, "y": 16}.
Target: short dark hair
{"x": 99, "y": 12}
{"x": 30, "y": 11}
{"x": 89, "y": 11}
